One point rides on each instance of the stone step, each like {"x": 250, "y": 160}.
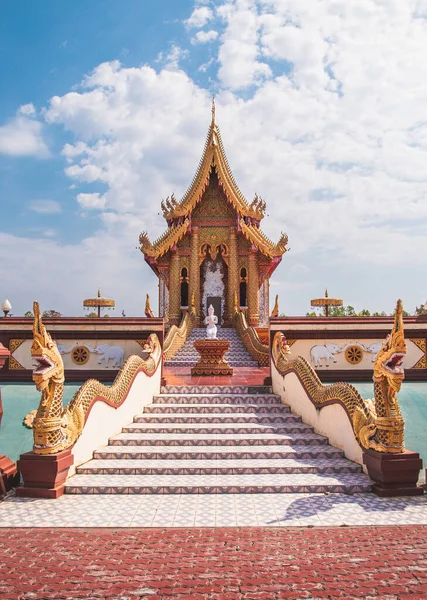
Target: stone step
{"x": 208, "y": 389}
{"x": 217, "y": 399}
{"x": 280, "y": 409}
{"x": 191, "y": 362}
{"x": 151, "y": 452}
{"x": 220, "y": 439}
{"x": 217, "y": 418}
{"x": 220, "y": 467}
{"x": 348, "y": 483}
{"x": 218, "y": 428}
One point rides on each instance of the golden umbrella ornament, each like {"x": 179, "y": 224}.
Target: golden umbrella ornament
{"x": 99, "y": 303}
{"x": 326, "y": 302}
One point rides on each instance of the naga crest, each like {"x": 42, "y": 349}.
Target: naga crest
{"x": 48, "y": 365}
{"x": 390, "y": 358}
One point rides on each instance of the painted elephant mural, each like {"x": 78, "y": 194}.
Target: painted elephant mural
{"x": 327, "y": 352}
{"x": 107, "y": 352}
{"x": 374, "y": 349}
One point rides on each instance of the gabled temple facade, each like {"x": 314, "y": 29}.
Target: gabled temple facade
{"x": 213, "y": 249}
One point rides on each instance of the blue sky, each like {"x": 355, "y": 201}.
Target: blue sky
{"x": 104, "y": 110}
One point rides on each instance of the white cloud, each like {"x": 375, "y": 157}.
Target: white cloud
{"x": 199, "y": 17}
{"x": 204, "y": 37}
{"x": 23, "y": 136}
{"x": 45, "y": 206}
{"x": 322, "y": 112}
{"x": 27, "y": 109}
{"x": 239, "y": 53}
{"x": 91, "y": 201}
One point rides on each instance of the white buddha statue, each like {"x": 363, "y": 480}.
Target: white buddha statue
{"x": 211, "y": 321}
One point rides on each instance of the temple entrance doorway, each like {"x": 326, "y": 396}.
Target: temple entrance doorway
{"x": 213, "y": 276}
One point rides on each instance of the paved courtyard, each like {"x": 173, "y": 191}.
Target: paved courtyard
{"x": 388, "y": 563}
{"x": 213, "y": 510}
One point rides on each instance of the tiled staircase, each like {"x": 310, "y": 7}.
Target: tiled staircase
{"x": 206, "y": 439}
{"x": 237, "y": 355}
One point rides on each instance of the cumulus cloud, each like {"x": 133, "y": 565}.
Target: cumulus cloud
{"x": 91, "y": 201}
{"x": 203, "y": 37}
{"x": 45, "y": 206}
{"x": 321, "y": 108}
{"x": 23, "y": 135}
{"x": 199, "y": 17}
{"x": 239, "y": 53}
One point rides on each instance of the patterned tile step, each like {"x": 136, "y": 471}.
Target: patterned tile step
{"x": 270, "y": 409}
{"x": 299, "y": 452}
{"x": 204, "y": 389}
{"x": 349, "y": 483}
{"x": 212, "y": 428}
{"x": 220, "y": 467}
{"x": 190, "y": 362}
{"x": 217, "y": 418}
{"x": 220, "y": 439}
{"x": 216, "y": 399}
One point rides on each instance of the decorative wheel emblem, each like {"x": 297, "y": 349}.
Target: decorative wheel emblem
{"x": 80, "y": 355}
{"x": 354, "y": 355}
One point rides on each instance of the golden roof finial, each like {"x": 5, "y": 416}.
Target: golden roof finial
{"x": 326, "y": 293}
{"x": 213, "y": 109}
{"x": 275, "y": 311}
{"x": 99, "y": 292}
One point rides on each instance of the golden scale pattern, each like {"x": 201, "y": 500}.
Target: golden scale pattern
{"x": 56, "y": 428}
{"x": 176, "y": 336}
{"x": 249, "y": 337}
{"x": 378, "y": 423}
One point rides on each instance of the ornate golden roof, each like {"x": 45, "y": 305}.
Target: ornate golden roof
{"x": 261, "y": 241}
{"x": 165, "y": 241}
{"x": 213, "y": 156}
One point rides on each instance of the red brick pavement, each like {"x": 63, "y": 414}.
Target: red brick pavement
{"x": 216, "y": 564}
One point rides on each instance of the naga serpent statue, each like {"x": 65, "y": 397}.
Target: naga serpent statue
{"x": 56, "y": 427}
{"x": 378, "y": 424}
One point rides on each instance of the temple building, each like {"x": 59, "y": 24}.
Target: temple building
{"x": 213, "y": 249}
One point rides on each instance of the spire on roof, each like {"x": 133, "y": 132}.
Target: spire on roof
{"x": 213, "y": 109}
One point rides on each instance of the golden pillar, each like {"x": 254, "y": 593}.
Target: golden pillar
{"x": 253, "y": 289}
{"x": 174, "y": 290}
{"x": 233, "y": 273}
{"x": 194, "y": 283}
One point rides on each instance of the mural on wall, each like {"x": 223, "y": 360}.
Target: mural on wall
{"x": 114, "y": 353}
{"x": 325, "y": 352}
{"x": 357, "y": 354}
{"x": 87, "y": 354}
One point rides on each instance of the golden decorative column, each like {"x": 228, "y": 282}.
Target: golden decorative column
{"x": 253, "y": 290}
{"x": 174, "y": 290}
{"x": 233, "y": 273}
{"x": 194, "y": 283}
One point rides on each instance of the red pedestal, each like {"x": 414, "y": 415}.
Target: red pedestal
{"x": 9, "y": 475}
{"x": 44, "y": 475}
{"x": 212, "y": 361}
{"x": 394, "y": 474}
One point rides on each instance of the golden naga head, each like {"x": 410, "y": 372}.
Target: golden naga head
{"x": 390, "y": 358}
{"x": 47, "y": 360}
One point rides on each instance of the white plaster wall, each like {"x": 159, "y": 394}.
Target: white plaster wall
{"x": 105, "y": 421}
{"x": 331, "y": 421}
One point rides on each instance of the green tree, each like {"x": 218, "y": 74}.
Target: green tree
{"x": 51, "y": 313}
{"x": 379, "y": 314}
{"x": 91, "y": 315}
{"x": 310, "y": 314}
{"x": 420, "y": 310}
{"x": 29, "y": 314}
{"x": 364, "y": 313}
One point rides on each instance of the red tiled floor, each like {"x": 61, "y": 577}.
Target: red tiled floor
{"x": 241, "y": 376}
{"x": 215, "y": 564}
